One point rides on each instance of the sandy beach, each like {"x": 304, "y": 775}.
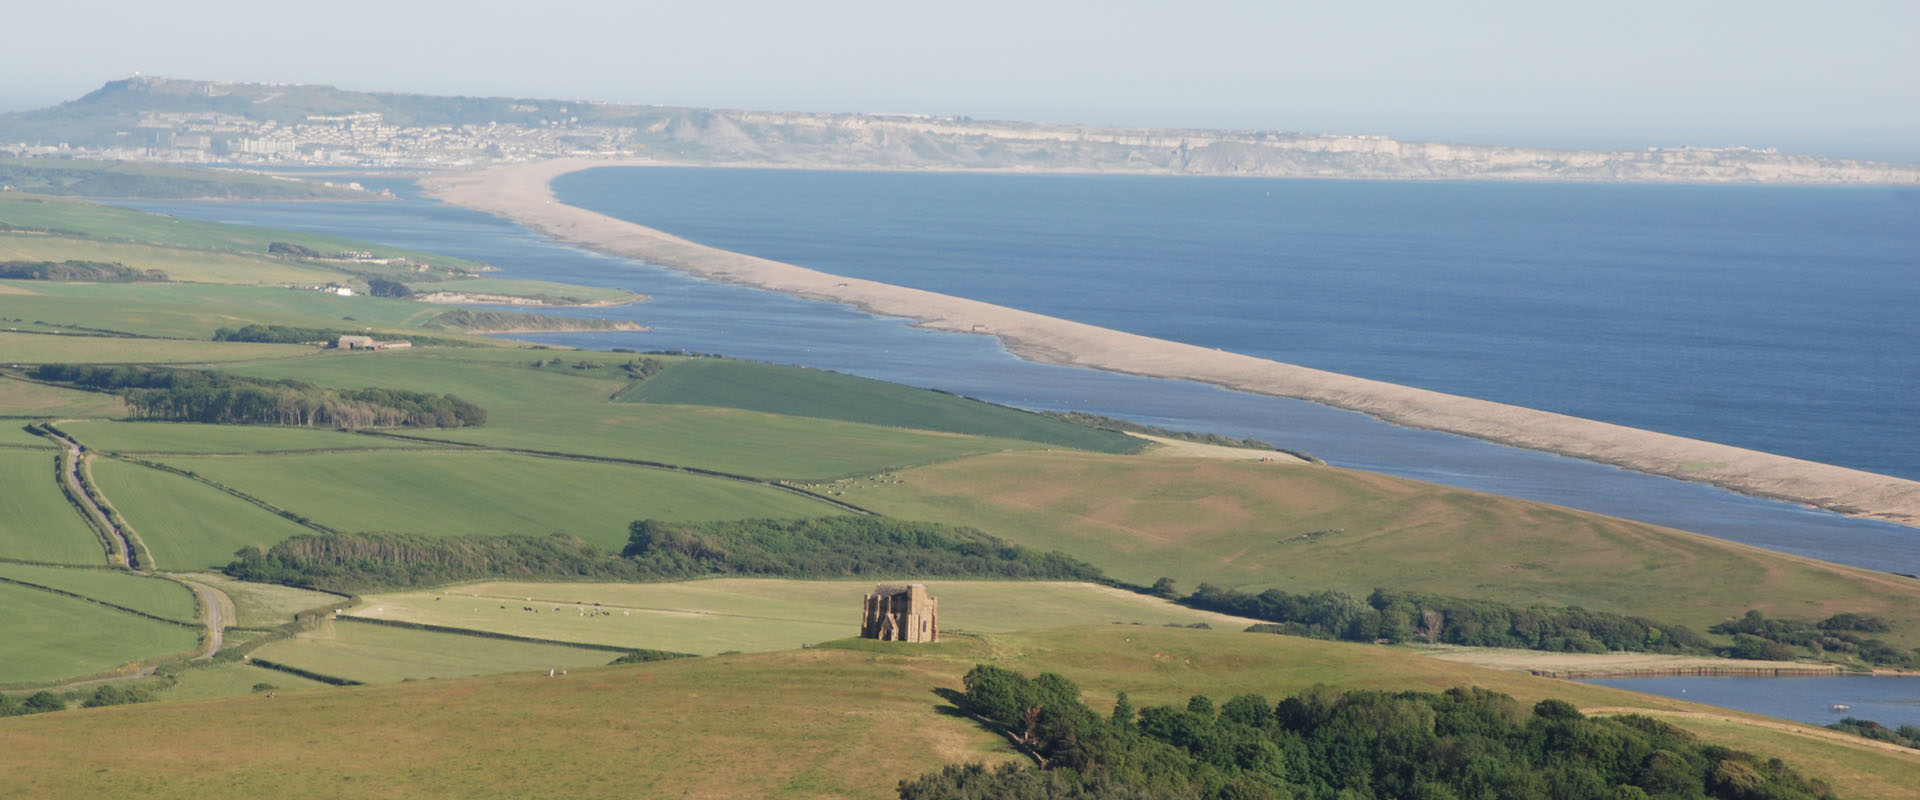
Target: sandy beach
{"x": 520, "y": 192}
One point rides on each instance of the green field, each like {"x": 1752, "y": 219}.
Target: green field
{"x": 13, "y": 432}
{"x": 228, "y": 680}
{"x": 190, "y": 437}
{"x": 46, "y": 637}
{"x": 467, "y": 493}
{"x": 803, "y": 392}
{"x": 34, "y": 348}
{"x": 180, "y": 264}
{"x": 124, "y": 179}
{"x": 263, "y": 605}
{"x": 23, "y": 399}
{"x": 108, "y": 222}
{"x": 820, "y": 722}
{"x": 548, "y": 291}
{"x": 36, "y": 521}
{"x": 157, "y": 596}
{"x": 715, "y": 616}
{"x": 195, "y": 311}
{"x": 372, "y": 653}
{"x": 187, "y": 524}
{"x": 1239, "y": 524}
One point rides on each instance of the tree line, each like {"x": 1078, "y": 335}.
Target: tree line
{"x": 293, "y": 334}
{"x": 89, "y": 271}
{"x": 1756, "y": 636}
{"x": 194, "y": 395}
{"x": 1325, "y": 744}
{"x": 827, "y": 547}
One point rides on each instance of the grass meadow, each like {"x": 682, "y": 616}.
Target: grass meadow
{"x": 263, "y": 605}
{"x": 36, "y": 521}
{"x": 372, "y": 653}
{"x": 191, "y": 437}
{"x": 187, "y": 525}
{"x": 195, "y": 311}
{"x": 752, "y": 615}
{"x": 1241, "y": 525}
{"x": 444, "y": 493}
{"x": 808, "y": 723}
{"x": 157, "y": 596}
{"x": 229, "y": 679}
{"x": 35, "y": 348}
{"x": 22, "y": 399}
{"x": 46, "y": 636}
{"x": 180, "y": 264}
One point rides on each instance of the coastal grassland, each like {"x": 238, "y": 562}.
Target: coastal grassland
{"x": 36, "y": 348}
{"x": 545, "y": 292}
{"x": 1250, "y": 526}
{"x": 195, "y": 311}
{"x": 261, "y": 605}
{"x": 804, "y": 392}
{"x": 444, "y": 493}
{"x": 108, "y": 222}
{"x": 825, "y": 721}
{"x": 194, "y": 437}
{"x": 36, "y": 521}
{"x": 180, "y": 264}
{"x": 20, "y": 398}
{"x": 187, "y": 524}
{"x": 229, "y": 680}
{"x": 751, "y": 615}
{"x": 48, "y": 636}
{"x": 88, "y": 178}
{"x": 372, "y": 653}
{"x": 157, "y": 596}
{"x": 562, "y": 409}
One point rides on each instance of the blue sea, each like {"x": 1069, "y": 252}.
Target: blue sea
{"x": 1783, "y": 319}
{"x": 692, "y": 314}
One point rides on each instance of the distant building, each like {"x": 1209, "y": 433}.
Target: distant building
{"x": 895, "y": 613}
{"x": 351, "y": 342}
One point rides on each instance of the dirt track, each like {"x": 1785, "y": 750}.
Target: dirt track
{"x": 520, "y": 192}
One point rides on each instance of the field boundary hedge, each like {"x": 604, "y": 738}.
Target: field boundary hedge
{"x": 426, "y": 626}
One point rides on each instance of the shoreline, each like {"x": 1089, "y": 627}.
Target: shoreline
{"x": 521, "y": 193}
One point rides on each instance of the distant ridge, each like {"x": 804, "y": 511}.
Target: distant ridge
{"x": 163, "y": 118}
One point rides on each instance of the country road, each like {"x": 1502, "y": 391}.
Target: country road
{"x": 215, "y": 616}
{"x": 71, "y": 477}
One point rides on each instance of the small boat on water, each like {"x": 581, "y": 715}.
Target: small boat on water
{"x": 1839, "y": 707}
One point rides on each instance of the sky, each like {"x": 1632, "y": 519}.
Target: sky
{"x": 1840, "y": 77}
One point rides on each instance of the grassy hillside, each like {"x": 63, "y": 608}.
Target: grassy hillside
{"x": 371, "y": 653}
{"x": 49, "y": 636}
{"x": 1252, "y": 525}
{"x": 802, "y": 392}
{"x": 179, "y": 264}
{"x": 714, "y": 616}
{"x": 195, "y": 311}
{"x": 821, "y": 722}
{"x": 157, "y": 596}
{"x": 464, "y": 493}
{"x": 36, "y": 522}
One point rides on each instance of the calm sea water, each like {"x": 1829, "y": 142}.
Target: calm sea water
{"x": 692, "y": 314}
{"x": 1779, "y": 319}
{"x": 1892, "y": 702}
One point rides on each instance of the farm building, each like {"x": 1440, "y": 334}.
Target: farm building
{"x": 895, "y": 613}
{"x": 352, "y": 342}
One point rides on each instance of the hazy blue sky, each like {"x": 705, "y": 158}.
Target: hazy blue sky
{"x": 1835, "y": 77}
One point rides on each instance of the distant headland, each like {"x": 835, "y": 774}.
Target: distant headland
{"x": 183, "y": 121}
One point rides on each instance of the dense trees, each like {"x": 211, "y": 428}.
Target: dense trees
{"x": 1464, "y": 744}
{"x": 1905, "y": 735}
{"x": 204, "y": 396}
{"x": 91, "y": 271}
{"x": 829, "y": 547}
{"x": 1756, "y": 636}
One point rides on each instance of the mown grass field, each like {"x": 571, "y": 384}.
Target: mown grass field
{"x": 157, "y": 596}
{"x": 372, "y": 653}
{"x": 195, "y": 311}
{"x": 261, "y": 605}
{"x": 820, "y": 722}
{"x": 46, "y": 637}
{"x": 24, "y": 399}
{"x": 751, "y": 615}
{"x": 36, "y": 348}
{"x": 186, "y": 524}
{"x": 566, "y": 410}
{"x": 803, "y": 392}
{"x": 230, "y": 680}
{"x": 1238, "y": 524}
{"x": 108, "y": 222}
{"x": 190, "y": 437}
{"x": 465, "y": 493}
{"x": 13, "y": 432}
{"x": 180, "y": 264}
{"x": 36, "y": 521}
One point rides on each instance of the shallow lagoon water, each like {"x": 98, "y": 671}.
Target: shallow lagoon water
{"x": 695, "y": 315}
{"x": 1890, "y": 701}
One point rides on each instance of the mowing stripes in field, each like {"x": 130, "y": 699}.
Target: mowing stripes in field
{"x": 46, "y": 636}
{"x": 187, "y": 524}
{"x": 157, "y": 596}
{"x": 36, "y": 521}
